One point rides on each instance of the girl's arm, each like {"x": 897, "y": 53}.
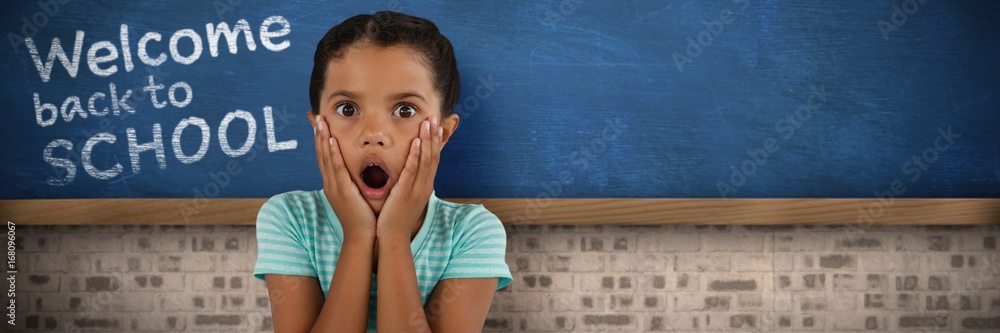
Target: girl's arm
{"x": 456, "y": 305}
{"x": 346, "y": 306}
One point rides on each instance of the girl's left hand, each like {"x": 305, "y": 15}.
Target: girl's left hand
{"x": 408, "y": 198}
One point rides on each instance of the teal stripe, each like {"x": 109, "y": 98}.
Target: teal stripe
{"x": 295, "y": 235}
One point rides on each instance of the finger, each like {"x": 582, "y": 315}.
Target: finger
{"x": 425, "y": 152}
{"x": 322, "y": 149}
{"x": 435, "y": 155}
{"x": 337, "y": 165}
{"x": 408, "y": 175}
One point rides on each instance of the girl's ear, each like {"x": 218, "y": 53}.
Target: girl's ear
{"x": 450, "y": 124}
{"x": 312, "y": 118}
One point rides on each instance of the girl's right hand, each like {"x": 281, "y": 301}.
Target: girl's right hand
{"x": 352, "y": 210}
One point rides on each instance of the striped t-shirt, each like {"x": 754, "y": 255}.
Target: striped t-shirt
{"x": 298, "y": 234}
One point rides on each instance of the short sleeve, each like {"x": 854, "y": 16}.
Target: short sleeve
{"x": 280, "y": 248}
{"x": 479, "y": 248}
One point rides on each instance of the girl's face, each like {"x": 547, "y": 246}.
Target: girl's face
{"x": 374, "y": 99}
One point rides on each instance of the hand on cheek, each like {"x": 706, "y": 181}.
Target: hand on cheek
{"x": 354, "y": 214}
{"x": 408, "y": 198}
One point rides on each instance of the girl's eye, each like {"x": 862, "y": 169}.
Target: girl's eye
{"x": 404, "y": 111}
{"x": 347, "y": 110}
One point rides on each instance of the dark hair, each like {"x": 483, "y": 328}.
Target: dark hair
{"x": 388, "y": 28}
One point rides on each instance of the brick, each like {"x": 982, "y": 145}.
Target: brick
{"x": 737, "y": 282}
{"x": 977, "y": 242}
{"x": 539, "y": 322}
{"x": 119, "y": 262}
{"x": 184, "y": 302}
{"x": 732, "y": 285}
{"x": 217, "y": 282}
{"x": 744, "y": 321}
{"x": 960, "y": 262}
{"x": 604, "y": 282}
{"x": 875, "y": 301}
{"x": 848, "y": 282}
{"x": 783, "y": 262}
{"x": 218, "y": 322}
{"x": 36, "y": 243}
{"x": 577, "y": 302}
{"x": 719, "y": 242}
{"x": 800, "y": 282}
{"x": 260, "y": 321}
{"x": 701, "y": 302}
{"x": 668, "y": 242}
{"x": 42, "y": 303}
{"x": 976, "y": 280}
{"x": 702, "y": 262}
{"x": 753, "y": 262}
{"x": 111, "y": 302}
{"x": 981, "y": 322}
{"x": 686, "y": 282}
{"x": 939, "y": 282}
{"x": 800, "y": 242}
{"x": 233, "y": 242}
{"x": 95, "y": 322}
{"x": 89, "y": 282}
{"x": 157, "y": 322}
{"x": 952, "y": 302}
{"x": 212, "y": 243}
{"x": 544, "y": 282}
{"x": 639, "y": 262}
{"x": 939, "y": 243}
{"x": 234, "y": 302}
{"x": 936, "y": 321}
{"x": 633, "y": 303}
{"x": 877, "y": 282}
{"x": 907, "y": 282}
{"x": 860, "y": 243}
{"x": 846, "y": 321}
{"x": 808, "y": 302}
{"x": 233, "y": 263}
{"x": 905, "y": 302}
{"x": 838, "y": 261}
{"x": 750, "y": 302}
{"x": 890, "y": 262}
{"x": 575, "y": 263}
{"x": 991, "y": 301}
{"x": 910, "y": 243}
{"x": 525, "y": 264}
{"x": 794, "y": 321}
{"x": 549, "y": 243}
{"x": 498, "y": 323}
{"x": 607, "y": 243}
{"x": 87, "y": 243}
{"x": 653, "y": 302}
{"x": 655, "y": 323}
{"x": 608, "y": 322}
{"x": 188, "y": 263}
{"x": 154, "y": 282}
{"x": 39, "y": 322}
{"x": 56, "y": 262}
{"x": 159, "y": 243}
{"x": 843, "y": 302}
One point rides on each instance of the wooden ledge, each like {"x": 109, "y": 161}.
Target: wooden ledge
{"x": 539, "y": 212}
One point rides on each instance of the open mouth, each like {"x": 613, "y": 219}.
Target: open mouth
{"x": 374, "y": 176}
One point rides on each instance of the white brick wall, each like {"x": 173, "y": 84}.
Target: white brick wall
{"x": 583, "y": 278}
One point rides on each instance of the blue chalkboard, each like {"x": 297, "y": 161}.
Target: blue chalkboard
{"x": 569, "y": 99}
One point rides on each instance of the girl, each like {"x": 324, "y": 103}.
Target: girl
{"x": 375, "y": 248}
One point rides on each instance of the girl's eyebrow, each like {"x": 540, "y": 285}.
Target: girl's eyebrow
{"x": 345, "y": 93}
{"x": 406, "y": 94}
